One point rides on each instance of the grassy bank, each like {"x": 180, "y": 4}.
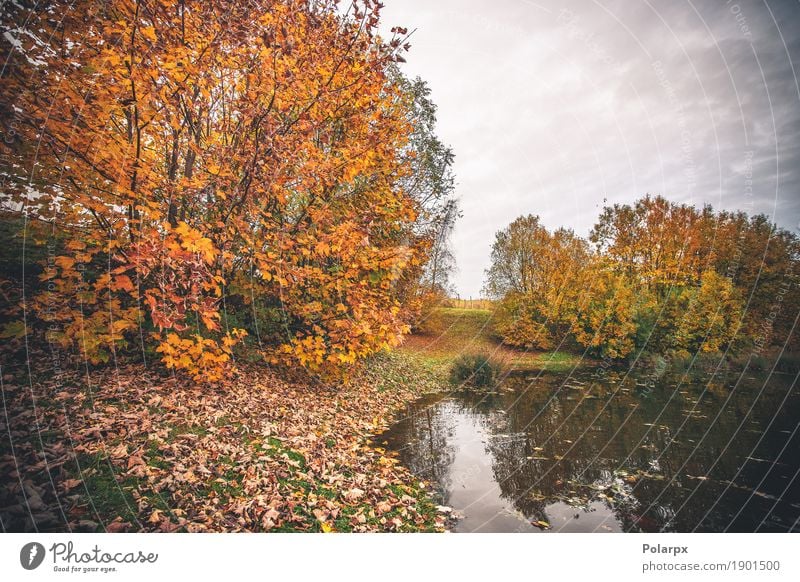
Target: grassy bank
{"x": 453, "y": 331}
{"x": 129, "y": 450}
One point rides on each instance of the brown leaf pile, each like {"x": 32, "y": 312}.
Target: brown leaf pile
{"x": 132, "y": 451}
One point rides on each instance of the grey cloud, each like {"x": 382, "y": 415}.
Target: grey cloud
{"x": 554, "y": 106}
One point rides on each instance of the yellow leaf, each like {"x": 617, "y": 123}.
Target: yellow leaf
{"x": 15, "y": 329}
{"x": 155, "y": 517}
{"x": 149, "y": 33}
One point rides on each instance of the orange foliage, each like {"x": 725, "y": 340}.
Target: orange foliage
{"x": 662, "y": 277}
{"x": 197, "y": 157}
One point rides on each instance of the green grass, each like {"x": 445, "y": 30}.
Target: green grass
{"x": 108, "y": 494}
{"x": 177, "y": 430}
{"x": 455, "y": 332}
{"x": 557, "y": 361}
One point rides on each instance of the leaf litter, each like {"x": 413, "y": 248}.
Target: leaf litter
{"x": 140, "y": 452}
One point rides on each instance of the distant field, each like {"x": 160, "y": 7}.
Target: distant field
{"x": 469, "y": 303}
{"x": 456, "y": 331}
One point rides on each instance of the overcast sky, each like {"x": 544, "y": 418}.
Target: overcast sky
{"x": 553, "y": 107}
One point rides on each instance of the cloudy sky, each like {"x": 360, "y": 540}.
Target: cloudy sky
{"x": 555, "y": 106}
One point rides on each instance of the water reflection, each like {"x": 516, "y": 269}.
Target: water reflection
{"x": 555, "y": 453}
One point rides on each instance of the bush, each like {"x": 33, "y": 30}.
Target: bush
{"x": 475, "y": 369}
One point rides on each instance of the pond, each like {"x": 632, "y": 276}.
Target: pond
{"x": 575, "y": 453}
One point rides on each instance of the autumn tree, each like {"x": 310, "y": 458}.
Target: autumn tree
{"x": 656, "y": 240}
{"x": 761, "y": 260}
{"x": 712, "y": 314}
{"x": 537, "y": 276}
{"x": 662, "y": 277}
{"x": 605, "y": 321}
{"x": 431, "y": 181}
{"x": 212, "y": 171}
{"x": 668, "y": 252}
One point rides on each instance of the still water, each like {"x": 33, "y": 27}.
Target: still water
{"x": 569, "y": 453}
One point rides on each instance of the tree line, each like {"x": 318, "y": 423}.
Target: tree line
{"x": 653, "y": 276}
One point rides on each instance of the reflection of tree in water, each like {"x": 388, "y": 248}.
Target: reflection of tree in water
{"x": 423, "y": 439}
{"x": 574, "y": 441}
{"x": 568, "y": 448}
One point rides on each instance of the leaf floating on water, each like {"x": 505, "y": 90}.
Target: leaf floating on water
{"x": 757, "y": 460}
{"x": 541, "y": 524}
{"x": 765, "y": 495}
{"x": 648, "y": 475}
{"x": 577, "y": 501}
